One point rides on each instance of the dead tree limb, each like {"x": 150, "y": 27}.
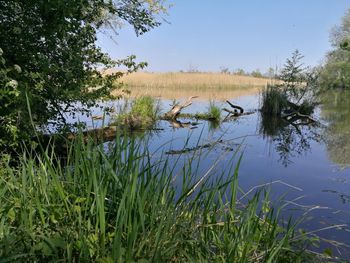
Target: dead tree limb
{"x": 231, "y": 112}
{"x": 190, "y": 149}
{"x": 177, "y": 108}
{"x": 294, "y": 116}
{"x": 236, "y": 107}
{"x": 178, "y": 124}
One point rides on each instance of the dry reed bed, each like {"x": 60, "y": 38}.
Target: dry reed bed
{"x": 205, "y": 85}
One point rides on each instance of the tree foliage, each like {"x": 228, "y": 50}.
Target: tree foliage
{"x": 256, "y": 73}
{"x": 289, "y": 103}
{"x": 50, "y": 60}
{"x": 298, "y": 81}
{"x": 335, "y": 73}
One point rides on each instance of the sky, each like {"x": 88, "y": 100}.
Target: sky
{"x": 209, "y": 35}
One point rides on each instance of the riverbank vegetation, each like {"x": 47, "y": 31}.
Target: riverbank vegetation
{"x": 121, "y": 203}
{"x": 335, "y": 72}
{"x": 121, "y": 206}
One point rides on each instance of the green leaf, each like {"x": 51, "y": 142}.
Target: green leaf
{"x": 105, "y": 260}
{"x": 11, "y": 215}
{"x": 328, "y": 252}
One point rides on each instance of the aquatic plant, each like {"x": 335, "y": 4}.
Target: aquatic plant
{"x": 213, "y": 114}
{"x": 145, "y": 106}
{"x": 142, "y": 114}
{"x": 273, "y": 101}
{"x": 214, "y": 111}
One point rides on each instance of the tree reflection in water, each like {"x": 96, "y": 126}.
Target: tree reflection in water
{"x": 289, "y": 139}
{"x": 335, "y": 110}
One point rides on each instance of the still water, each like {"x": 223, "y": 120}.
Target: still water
{"x": 309, "y": 165}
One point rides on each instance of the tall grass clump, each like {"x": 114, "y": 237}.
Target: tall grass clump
{"x": 142, "y": 113}
{"x": 214, "y": 111}
{"x": 123, "y": 207}
{"x": 274, "y": 101}
{"x": 145, "y": 106}
{"x": 213, "y": 114}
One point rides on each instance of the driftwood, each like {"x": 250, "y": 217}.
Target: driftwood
{"x": 295, "y": 116}
{"x": 178, "y": 124}
{"x": 199, "y": 147}
{"x": 236, "y": 107}
{"x": 177, "y": 108}
{"x": 190, "y": 149}
{"x": 234, "y": 112}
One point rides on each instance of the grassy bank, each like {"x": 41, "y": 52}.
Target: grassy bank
{"x": 205, "y": 85}
{"x": 123, "y": 207}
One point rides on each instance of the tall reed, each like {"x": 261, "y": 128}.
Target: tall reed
{"x": 274, "y": 101}
{"x": 122, "y": 206}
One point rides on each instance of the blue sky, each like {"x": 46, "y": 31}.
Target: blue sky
{"x": 250, "y": 34}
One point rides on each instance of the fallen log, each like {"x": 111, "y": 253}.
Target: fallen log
{"x": 177, "y": 108}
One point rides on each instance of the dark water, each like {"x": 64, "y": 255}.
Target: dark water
{"x": 307, "y": 164}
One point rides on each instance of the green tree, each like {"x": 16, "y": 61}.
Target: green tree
{"x": 335, "y": 73}
{"x": 50, "y": 60}
{"x": 239, "y": 72}
{"x": 256, "y": 73}
{"x": 224, "y": 70}
{"x": 295, "y": 94}
{"x": 271, "y": 73}
{"x": 299, "y": 82}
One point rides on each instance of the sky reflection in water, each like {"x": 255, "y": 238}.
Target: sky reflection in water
{"x": 314, "y": 159}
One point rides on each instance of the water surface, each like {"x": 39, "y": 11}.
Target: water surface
{"x": 306, "y": 164}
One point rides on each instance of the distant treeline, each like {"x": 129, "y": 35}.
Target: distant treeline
{"x": 270, "y": 73}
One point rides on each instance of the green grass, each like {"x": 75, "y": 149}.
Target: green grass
{"x": 213, "y": 114}
{"x": 142, "y": 114}
{"x": 121, "y": 206}
{"x": 145, "y": 106}
{"x": 214, "y": 111}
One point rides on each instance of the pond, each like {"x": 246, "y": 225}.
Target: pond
{"x": 307, "y": 165}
